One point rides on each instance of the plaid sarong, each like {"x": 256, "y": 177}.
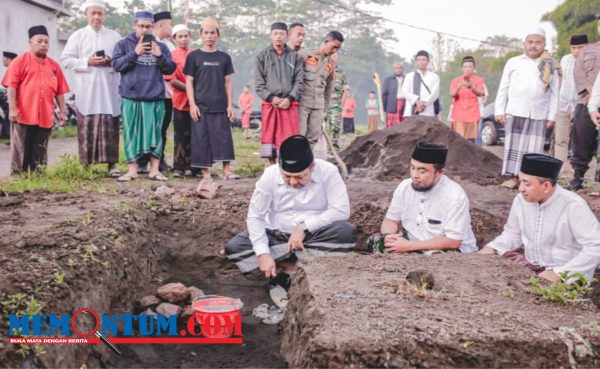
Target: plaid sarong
{"x": 523, "y": 136}
{"x": 98, "y": 138}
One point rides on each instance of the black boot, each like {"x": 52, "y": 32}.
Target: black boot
{"x": 577, "y": 182}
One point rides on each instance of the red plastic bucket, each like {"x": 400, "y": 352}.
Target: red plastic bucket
{"x": 219, "y": 316}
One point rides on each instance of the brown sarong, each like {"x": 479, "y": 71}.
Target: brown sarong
{"x": 28, "y": 146}
{"x": 98, "y": 138}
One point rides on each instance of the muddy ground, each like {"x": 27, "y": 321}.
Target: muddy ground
{"x": 114, "y": 248}
{"x": 480, "y": 313}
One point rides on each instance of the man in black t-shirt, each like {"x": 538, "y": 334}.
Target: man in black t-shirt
{"x": 210, "y": 91}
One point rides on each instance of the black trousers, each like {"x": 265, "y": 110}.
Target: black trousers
{"x": 584, "y": 141}
{"x": 29, "y": 147}
{"x": 182, "y": 122}
{"x": 144, "y": 160}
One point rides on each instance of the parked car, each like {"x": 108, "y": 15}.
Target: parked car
{"x": 255, "y": 121}
{"x": 492, "y": 132}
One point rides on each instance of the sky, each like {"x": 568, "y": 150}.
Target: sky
{"x": 475, "y": 19}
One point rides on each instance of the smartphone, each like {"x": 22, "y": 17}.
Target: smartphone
{"x": 467, "y": 78}
{"x": 100, "y": 53}
{"x": 147, "y": 38}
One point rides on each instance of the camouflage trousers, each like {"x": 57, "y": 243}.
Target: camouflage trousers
{"x": 334, "y": 125}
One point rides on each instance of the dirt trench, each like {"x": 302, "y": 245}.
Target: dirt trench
{"x": 111, "y": 249}
{"x": 114, "y": 249}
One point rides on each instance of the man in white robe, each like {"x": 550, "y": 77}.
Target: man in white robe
{"x": 526, "y": 103}
{"x": 556, "y": 229}
{"x": 429, "y": 212}
{"x": 88, "y": 54}
{"x": 421, "y": 89}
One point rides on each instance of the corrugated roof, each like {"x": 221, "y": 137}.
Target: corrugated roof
{"x": 53, "y": 5}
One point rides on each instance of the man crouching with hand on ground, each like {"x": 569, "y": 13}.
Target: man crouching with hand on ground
{"x": 300, "y": 205}
{"x": 549, "y": 229}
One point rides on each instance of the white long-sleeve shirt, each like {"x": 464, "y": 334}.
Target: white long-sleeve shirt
{"x": 278, "y": 206}
{"x": 567, "y": 97}
{"x": 562, "y": 234}
{"x": 432, "y": 81}
{"x": 96, "y": 88}
{"x": 521, "y": 92}
{"x": 594, "y": 103}
{"x": 441, "y": 211}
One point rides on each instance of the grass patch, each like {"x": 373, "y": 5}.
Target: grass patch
{"x": 249, "y": 162}
{"x": 21, "y": 304}
{"x": 562, "y": 292}
{"x": 64, "y": 132}
{"x": 66, "y": 176}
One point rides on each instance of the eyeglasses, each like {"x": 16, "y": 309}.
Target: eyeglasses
{"x": 144, "y": 26}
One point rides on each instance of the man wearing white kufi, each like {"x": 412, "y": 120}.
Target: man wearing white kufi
{"x": 527, "y": 102}
{"x": 88, "y": 54}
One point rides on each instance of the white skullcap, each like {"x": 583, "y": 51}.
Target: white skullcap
{"x": 179, "y": 27}
{"x": 89, "y": 3}
{"x": 536, "y": 31}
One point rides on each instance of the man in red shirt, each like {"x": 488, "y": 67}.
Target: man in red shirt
{"x": 246, "y": 101}
{"x": 33, "y": 81}
{"x": 181, "y": 117}
{"x": 465, "y": 92}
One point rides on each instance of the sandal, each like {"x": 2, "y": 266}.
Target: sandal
{"x": 158, "y": 177}
{"x": 126, "y": 178}
{"x": 231, "y": 175}
{"x": 114, "y": 173}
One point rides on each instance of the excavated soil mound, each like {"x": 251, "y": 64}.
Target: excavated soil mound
{"x": 385, "y": 154}
{"x": 359, "y": 311}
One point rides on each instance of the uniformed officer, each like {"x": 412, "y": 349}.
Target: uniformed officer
{"x": 318, "y": 77}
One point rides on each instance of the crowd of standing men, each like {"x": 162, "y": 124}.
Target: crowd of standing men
{"x": 142, "y": 82}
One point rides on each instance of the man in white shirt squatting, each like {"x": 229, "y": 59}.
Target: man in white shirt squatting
{"x": 88, "y": 54}
{"x": 555, "y": 227}
{"x": 300, "y": 205}
{"x": 432, "y": 209}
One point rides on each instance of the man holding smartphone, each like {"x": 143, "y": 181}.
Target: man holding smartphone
{"x": 142, "y": 62}
{"x": 465, "y": 92}
{"x": 88, "y": 54}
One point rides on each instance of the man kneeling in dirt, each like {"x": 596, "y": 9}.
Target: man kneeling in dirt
{"x": 433, "y": 209}
{"x": 299, "y": 205}
{"x": 549, "y": 229}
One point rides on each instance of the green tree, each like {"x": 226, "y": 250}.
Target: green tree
{"x": 574, "y": 17}
{"x": 245, "y": 26}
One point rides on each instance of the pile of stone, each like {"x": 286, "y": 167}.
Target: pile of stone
{"x": 170, "y": 299}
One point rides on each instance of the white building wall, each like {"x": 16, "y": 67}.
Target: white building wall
{"x": 16, "y": 17}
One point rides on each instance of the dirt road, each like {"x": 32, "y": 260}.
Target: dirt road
{"x": 56, "y": 148}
